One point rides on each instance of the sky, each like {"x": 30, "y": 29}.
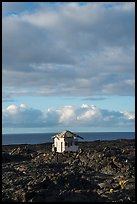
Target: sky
{"x": 68, "y": 65}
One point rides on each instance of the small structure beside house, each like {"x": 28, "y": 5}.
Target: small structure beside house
{"x": 65, "y": 141}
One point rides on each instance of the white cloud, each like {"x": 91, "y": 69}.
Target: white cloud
{"x": 82, "y": 116}
{"x": 22, "y": 116}
{"x": 67, "y": 114}
{"x": 23, "y": 106}
{"x": 84, "y": 106}
{"x": 42, "y": 19}
{"x": 69, "y": 49}
{"x": 12, "y": 109}
{"x": 129, "y": 115}
{"x": 89, "y": 115}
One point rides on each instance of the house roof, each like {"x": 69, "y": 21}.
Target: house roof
{"x": 66, "y": 134}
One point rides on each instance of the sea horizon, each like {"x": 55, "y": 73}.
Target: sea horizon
{"x": 59, "y": 132}
{"x": 38, "y": 138}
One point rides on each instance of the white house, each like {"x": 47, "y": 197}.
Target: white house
{"x": 65, "y": 141}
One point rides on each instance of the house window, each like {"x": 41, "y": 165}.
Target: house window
{"x": 66, "y": 144}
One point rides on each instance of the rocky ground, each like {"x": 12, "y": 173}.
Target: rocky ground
{"x": 102, "y": 171}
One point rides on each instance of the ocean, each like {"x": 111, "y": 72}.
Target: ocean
{"x": 39, "y": 138}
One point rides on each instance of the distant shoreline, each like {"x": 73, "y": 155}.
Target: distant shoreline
{"x": 40, "y": 138}
{"x": 52, "y": 133}
{"x": 80, "y": 142}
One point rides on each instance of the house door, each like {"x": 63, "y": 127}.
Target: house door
{"x": 61, "y": 146}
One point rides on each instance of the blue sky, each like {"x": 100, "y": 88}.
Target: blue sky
{"x": 68, "y": 66}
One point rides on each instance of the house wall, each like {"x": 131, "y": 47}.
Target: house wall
{"x": 61, "y": 147}
{"x": 59, "y": 144}
{"x": 72, "y": 148}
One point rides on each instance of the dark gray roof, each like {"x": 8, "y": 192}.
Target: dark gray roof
{"x": 67, "y": 134}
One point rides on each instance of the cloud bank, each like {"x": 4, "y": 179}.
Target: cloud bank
{"x": 69, "y": 48}
{"x": 22, "y": 116}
